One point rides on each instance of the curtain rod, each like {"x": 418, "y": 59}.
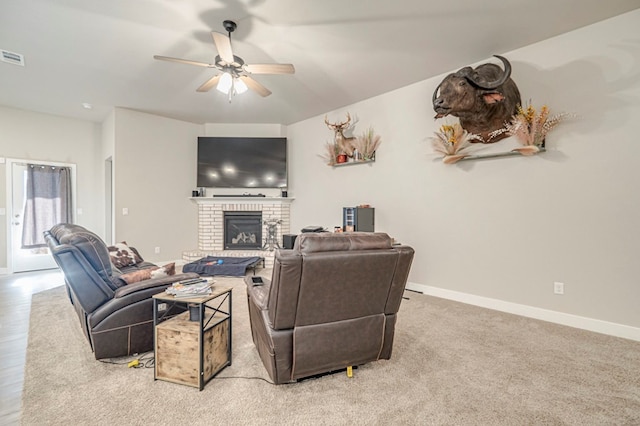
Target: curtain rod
{"x": 40, "y": 165}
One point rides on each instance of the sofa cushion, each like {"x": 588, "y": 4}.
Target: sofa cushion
{"x": 122, "y": 255}
{"x": 149, "y": 273}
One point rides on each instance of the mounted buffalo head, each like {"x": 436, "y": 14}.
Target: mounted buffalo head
{"x": 483, "y": 98}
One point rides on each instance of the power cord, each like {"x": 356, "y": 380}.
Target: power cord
{"x": 148, "y": 360}
{"x": 145, "y": 360}
{"x": 242, "y": 377}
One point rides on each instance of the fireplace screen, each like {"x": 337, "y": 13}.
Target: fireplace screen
{"x": 242, "y": 230}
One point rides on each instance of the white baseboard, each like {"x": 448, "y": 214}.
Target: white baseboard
{"x": 590, "y": 324}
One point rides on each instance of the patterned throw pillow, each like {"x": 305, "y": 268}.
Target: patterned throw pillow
{"x": 163, "y": 271}
{"x": 122, "y": 255}
{"x": 145, "y": 274}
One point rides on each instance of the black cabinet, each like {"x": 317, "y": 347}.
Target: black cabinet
{"x": 288, "y": 240}
{"x": 361, "y": 219}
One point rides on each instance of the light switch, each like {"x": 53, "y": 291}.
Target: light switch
{"x": 3, "y": 211}
{"x": 125, "y": 211}
{"x": 79, "y": 212}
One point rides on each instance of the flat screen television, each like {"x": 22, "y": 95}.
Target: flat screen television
{"x": 242, "y": 162}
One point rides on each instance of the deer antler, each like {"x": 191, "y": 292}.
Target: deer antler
{"x": 338, "y": 126}
{"x": 346, "y": 123}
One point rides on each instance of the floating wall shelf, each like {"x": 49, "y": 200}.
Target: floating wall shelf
{"x": 353, "y": 163}
{"x": 498, "y": 155}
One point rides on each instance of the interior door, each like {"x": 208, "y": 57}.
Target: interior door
{"x": 23, "y": 260}
{"x": 108, "y": 200}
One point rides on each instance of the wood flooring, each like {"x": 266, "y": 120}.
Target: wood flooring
{"x": 15, "y": 308}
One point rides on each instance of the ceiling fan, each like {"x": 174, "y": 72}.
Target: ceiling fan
{"x": 235, "y": 74}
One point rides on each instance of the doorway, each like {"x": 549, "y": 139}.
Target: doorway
{"x": 108, "y": 200}
{"x": 22, "y": 259}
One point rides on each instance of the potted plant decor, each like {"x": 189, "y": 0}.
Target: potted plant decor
{"x": 453, "y": 141}
{"x": 530, "y": 128}
{"x": 366, "y": 145}
{"x": 331, "y": 153}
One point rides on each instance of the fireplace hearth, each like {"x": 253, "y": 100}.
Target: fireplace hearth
{"x": 242, "y": 230}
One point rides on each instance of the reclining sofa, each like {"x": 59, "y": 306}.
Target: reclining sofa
{"x": 331, "y": 303}
{"x": 116, "y": 318}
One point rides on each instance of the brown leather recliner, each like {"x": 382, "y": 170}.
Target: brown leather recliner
{"x": 116, "y": 318}
{"x": 331, "y": 303}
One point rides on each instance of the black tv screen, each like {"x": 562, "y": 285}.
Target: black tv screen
{"x": 226, "y": 162}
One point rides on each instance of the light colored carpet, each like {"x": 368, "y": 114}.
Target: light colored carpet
{"x": 452, "y": 364}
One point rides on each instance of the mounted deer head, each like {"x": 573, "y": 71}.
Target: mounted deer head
{"x": 345, "y": 144}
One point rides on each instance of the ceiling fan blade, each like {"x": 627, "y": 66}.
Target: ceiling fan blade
{"x": 223, "y": 45}
{"x": 270, "y": 68}
{"x": 255, "y": 86}
{"x": 209, "y": 84}
{"x": 183, "y": 61}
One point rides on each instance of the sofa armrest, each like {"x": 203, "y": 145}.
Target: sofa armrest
{"x": 154, "y": 282}
{"x": 258, "y": 293}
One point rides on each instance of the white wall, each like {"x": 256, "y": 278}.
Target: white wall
{"x": 43, "y": 137}
{"x": 506, "y": 228}
{"x": 250, "y": 130}
{"x": 154, "y": 173}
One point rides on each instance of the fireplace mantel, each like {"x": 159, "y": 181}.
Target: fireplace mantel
{"x": 241, "y": 200}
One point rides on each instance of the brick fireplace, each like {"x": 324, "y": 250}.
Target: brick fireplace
{"x": 211, "y": 222}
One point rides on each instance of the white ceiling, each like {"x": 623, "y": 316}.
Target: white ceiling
{"x": 101, "y": 51}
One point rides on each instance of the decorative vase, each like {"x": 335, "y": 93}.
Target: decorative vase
{"x": 342, "y": 158}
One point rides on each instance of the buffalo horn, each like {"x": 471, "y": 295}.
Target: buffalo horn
{"x": 435, "y": 94}
{"x": 494, "y": 84}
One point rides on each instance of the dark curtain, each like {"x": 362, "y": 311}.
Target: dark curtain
{"x": 48, "y": 202}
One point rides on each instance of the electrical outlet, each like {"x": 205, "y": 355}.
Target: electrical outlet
{"x": 558, "y": 288}
{"x": 157, "y": 250}
{"x": 162, "y": 306}
{"x": 125, "y": 211}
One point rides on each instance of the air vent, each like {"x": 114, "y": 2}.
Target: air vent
{"x": 12, "y": 58}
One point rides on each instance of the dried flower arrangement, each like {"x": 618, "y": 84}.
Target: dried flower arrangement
{"x": 332, "y": 150}
{"x": 453, "y": 141}
{"x": 367, "y": 144}
{"x": 531, "y": 128}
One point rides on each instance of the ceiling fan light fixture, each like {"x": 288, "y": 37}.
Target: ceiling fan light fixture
{"x": 225, "y": 83}
{"x": 234, "y": 75}
{"x": 239, "y": 85}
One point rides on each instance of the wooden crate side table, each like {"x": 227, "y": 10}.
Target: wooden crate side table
{"x": 192, "y": 352}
